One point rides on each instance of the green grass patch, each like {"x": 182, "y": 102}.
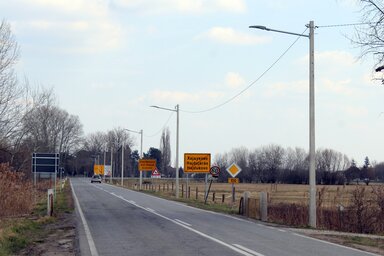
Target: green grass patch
{"x": 19, "y": 234}
{"x": 366, "y": 241}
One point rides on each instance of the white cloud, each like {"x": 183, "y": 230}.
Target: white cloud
{"x": 184, "y": 6}
{"x": 234, "y": 80}
{"x": 281, "y": 89}
{"x": 230, "y": 36}
{"x": 84, "y": 26}
{"x": 343, "y": 87}
{"x": 177, "y": 97}
{"x": 355, "y": 112}
{"x": 86, "y": 7}
{"x": 339, "y": 58}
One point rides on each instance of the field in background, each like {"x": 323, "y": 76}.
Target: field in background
{"x": 351, "y": 208}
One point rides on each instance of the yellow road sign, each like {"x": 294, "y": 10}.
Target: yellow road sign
{"x": 98, "y": 169}
{"x": 233, "y": 180}
{"x": 147, "y": 165}
{"x": 233, "y": 170}
{"x": 197, "y": 162}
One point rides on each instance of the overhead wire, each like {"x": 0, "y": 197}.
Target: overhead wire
{"x": 251, "y": 84}
{"x": 162, "y": 128}
{"x": 345, "y": 25}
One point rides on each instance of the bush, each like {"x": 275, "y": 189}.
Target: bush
{"x": 16, "y": 193}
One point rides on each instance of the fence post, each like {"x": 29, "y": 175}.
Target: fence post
{"x": 263, "y": 206}
{"x": 182, "y": 190}
{"x": 197, "y": 192}
{"x": 50, "y": 202}
{"x": 213, "y": 196}
{"x": 222, "y": 198}
{"x": 172, "y": 186}
{"x": 245, "y": 203}
{"x": 189, "y": 192}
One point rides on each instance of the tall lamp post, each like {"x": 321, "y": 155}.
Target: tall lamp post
{"x": 312, "y": 170}
{"x": 177, "y": 144}
{"x": 141, "y": 151}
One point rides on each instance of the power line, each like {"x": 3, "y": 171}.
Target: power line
{"x": 162, "y": 128}
{"x": 251, "y": 84}
{"x": 345, "y": 25}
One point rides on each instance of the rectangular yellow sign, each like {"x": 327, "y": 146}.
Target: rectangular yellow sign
{"x": 147, "y": 165}
{"x": 98, "y": 169}
{"x": 233, "y": 180}
{"x": 197, "y": 162}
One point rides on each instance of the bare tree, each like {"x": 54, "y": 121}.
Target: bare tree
{"x": 10, "y": 91}
{"x": 370, "y": 37}
{"x": 49, "y": 128}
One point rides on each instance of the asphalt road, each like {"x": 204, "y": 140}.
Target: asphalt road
{"x": 116, "y": 221}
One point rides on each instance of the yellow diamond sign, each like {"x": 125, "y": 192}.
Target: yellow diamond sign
{"x": 233, "y": 170}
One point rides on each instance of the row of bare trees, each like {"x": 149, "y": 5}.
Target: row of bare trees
{"x": 273, "y": 163}
{"x": 30, "y": 120}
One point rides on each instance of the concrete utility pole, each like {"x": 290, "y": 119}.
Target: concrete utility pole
{"x": 312, "y": 156}
{"x": 122, "y": 163}
{"x": 177, "y": 110}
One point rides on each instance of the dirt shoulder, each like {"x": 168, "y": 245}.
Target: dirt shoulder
{"x": 58, "y": 237}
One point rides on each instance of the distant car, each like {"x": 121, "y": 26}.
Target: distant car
{"x": 96, "y": 178}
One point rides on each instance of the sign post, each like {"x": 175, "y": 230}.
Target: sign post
{"x": 233, "y": 170}
{"x": 197, "y": 163}
{"x": 214, "y": 171}
{"x": 147, "y": 165}
{"x": 45, "y": 163}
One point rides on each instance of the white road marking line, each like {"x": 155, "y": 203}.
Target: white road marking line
{"x": 248, "y": 250}
{"x": 184, "y": 205}
{"x": 338, "y": 245}
{"x": 282, "y": 230}
{"x": 151, "y": 210}
{"x": 88, "y": 234}
{"x": 193, "y": 230}
{"x": 182, "y": 222}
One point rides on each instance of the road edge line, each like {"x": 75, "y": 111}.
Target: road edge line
{"x": 88, "y": 234}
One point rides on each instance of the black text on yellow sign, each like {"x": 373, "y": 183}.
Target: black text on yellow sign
{"x": 233, "y": 180}
{"x": 147, "y": 165}
{"x": 197, "y": 162}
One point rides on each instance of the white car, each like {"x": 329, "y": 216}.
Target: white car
{"x": 96, "y": 178}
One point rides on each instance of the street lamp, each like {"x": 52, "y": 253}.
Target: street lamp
{"x": 177, "y": 144}
{"x": 312, "y": 170}
{"x": 141, "y": 151}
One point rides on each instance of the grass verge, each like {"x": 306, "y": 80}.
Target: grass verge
{"x": 18, "y": 233}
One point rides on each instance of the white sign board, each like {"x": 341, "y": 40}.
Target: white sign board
{"x": 107, "y": 170}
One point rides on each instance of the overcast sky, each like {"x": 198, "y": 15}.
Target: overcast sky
{"x": 109, "y": 60}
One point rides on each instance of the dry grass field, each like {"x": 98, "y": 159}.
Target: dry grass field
{"x": 351, "y": 208}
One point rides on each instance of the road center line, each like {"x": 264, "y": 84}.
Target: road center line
{"x": 88, "y": 234}
{"x": 182, "y": 222}
{"x": 248, "y": 250}
{"x": 238, "y": 250}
